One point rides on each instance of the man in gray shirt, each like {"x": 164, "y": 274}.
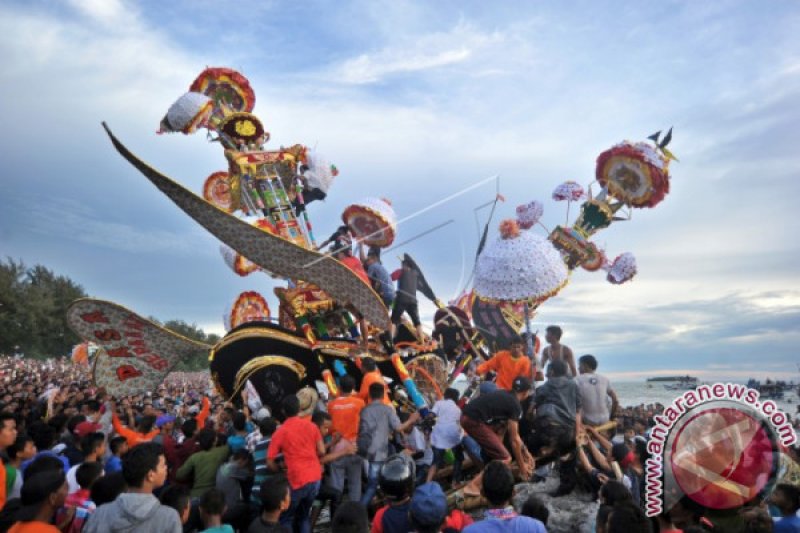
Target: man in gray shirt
{"x": 377, "y": 423}
{"x": 560, "y": 401}
{"x": 144, "y": 469}
{"x": 595, "y": 391}
{"x": 378, "y": 276}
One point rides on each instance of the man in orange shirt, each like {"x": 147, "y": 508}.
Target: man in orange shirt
{"x": 8, "y": 435}
{"x": 344, "y": 412}
{"x": 202, "y": 415}
{"x": 145, "y": 432}
{"x": 371, "y": 375}
{"x": 508, "y": 364}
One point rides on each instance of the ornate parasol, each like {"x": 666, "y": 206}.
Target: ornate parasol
{"x": 372, "y": 221}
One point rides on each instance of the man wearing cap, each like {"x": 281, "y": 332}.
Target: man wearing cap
{"x": 308, "y": 398}
{"x": 166, "y": 425}
{"x": 487, "y": 418}
{"x": 428, "y": 508}
{"x": 508, "y": 364}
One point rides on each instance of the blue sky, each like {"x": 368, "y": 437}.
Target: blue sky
{"x": 414, "y": 101}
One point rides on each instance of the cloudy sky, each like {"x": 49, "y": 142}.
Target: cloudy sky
{"x": 415, "y": 101}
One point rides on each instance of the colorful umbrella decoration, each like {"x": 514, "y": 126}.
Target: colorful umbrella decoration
{"x": 529, "y": 214}
{"x": 596, "y": 258}
{"x": 636, "y": 174}
{"x": 569, "y": 191}
{"x": 372, "y": 221}
{"x": 250, "y": 306}
{"x": 217, "y": 191}
{"x": 229, "y": 90}
{"x": 622, "y": 269}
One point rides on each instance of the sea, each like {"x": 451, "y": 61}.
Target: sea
{"x": 632, "y": 393}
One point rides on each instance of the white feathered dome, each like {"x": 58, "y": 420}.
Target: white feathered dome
{"x": 187, "y": 113}
{"x": 520, "y": 266}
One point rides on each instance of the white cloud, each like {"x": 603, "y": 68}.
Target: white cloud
{"x": 104, "y": 11}
{"x": 369, "y": 69}
{"x": 107, "y": 64}
{"x": 416, "y": 53}
{"x": 78, "y": 222}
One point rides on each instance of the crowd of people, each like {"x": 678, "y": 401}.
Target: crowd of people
{"x": 182, "y": 459}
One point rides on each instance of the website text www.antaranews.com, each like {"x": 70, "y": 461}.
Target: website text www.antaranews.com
{"x": 689, "y": 400}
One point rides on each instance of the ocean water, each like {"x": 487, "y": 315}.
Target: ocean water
{"x": 632, "y": 393}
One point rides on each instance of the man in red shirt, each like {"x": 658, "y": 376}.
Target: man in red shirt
{"x": 301, "y": 443}
{"x": 345, "y": 411}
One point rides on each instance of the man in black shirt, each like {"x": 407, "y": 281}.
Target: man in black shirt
{"x": 487, "y": 418}
{"x": 406, "y": 299}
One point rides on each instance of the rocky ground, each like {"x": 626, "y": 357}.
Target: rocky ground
{"x": 573, "y": 513}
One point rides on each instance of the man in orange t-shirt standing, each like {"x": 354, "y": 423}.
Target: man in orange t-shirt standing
{"x": 508, "y": 364}
{"x": 371, "y": 375}
{"x": 345, "y": 411}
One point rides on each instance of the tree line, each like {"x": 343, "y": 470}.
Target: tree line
{"x": 33, "y": 314}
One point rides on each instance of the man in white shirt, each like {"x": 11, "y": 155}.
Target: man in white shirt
{"x": 595, "y": 391}
{"x": 447, "y": 433}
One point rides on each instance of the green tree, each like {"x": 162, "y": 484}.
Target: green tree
{"x": 33, "y": 310}
{"x": 200, "y": 360}
{"x": 13, "y": 312}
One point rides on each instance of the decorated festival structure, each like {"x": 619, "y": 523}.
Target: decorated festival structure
{"x": 329, "y": 315}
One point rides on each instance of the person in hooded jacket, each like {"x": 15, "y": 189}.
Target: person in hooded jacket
{"x": 144, "y": 469}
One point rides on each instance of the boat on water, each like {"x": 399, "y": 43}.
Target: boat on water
{"x": 674, "y": 382}
{"x": 671, "y": 378}
{"x": 687, "y": 383}
{"x": 769, "y": 390}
